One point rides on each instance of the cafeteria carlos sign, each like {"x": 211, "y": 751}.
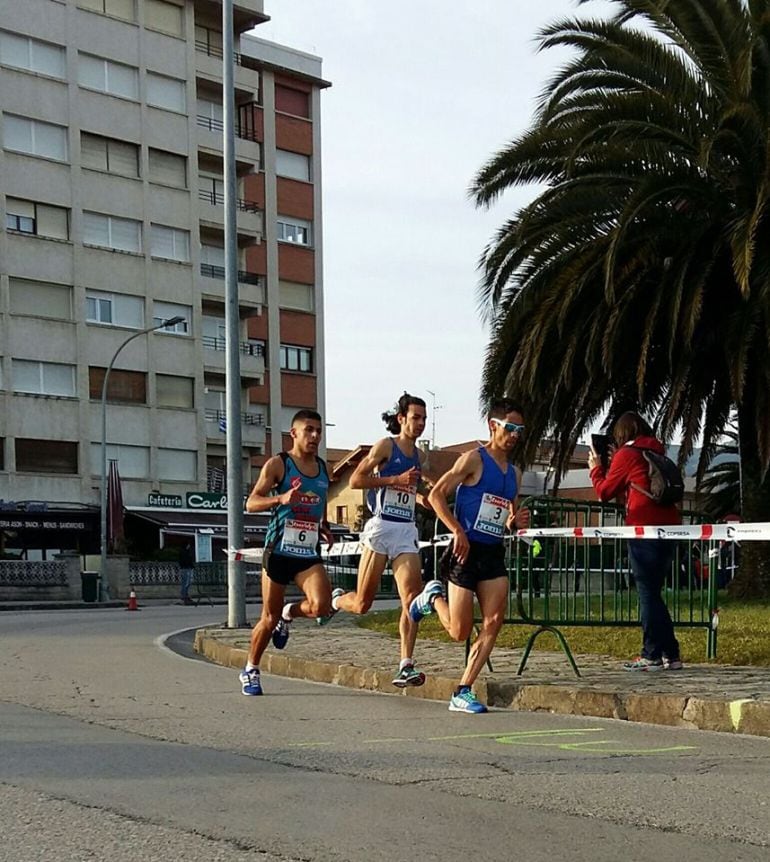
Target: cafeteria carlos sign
{"x": 212, "y": 502}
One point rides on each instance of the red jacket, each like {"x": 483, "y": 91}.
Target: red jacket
{"x": 629, "y": 466}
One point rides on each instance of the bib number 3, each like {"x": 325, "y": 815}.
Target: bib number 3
{"x": 493, "y": 513}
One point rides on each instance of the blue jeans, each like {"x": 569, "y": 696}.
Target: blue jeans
{"x": 650, "y": 562}
{"x": 186, "y": 579}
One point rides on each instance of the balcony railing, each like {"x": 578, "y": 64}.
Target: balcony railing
{"x": 211, "y": 342}
{"x": 243, "y": 128}
{"x": 215, "y": 51}
{"x": 210, "y": 270}
{"x": 218, "y": 199}
{"x": 211, "y": 415}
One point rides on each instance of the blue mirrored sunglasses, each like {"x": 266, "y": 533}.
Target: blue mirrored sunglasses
{"x": 510, "y": 427}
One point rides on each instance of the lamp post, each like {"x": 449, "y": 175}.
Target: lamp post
{"x": 104, "y": 587}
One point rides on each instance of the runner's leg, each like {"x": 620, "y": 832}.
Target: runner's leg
{"x": 272, "y": 602}
{"x": 314, "y": 583}
{"x": 493, "y": 599}
{"x": 456, "y": 611}
{"x": 407, "y": 571}
{"x": 370, "y": 571}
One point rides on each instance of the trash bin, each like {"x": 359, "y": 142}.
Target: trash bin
{"x": 90, "y": 585}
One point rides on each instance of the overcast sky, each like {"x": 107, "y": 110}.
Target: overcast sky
{"x": 424, "y": 91}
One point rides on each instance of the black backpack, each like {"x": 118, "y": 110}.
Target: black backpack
{"x": 666, "y": 481}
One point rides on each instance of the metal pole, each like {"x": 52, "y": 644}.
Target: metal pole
{"x": 236, "y": 595}
{"x": 104, "y": 587}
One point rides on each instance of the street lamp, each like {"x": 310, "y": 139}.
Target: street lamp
{"x": 104, "y": 587}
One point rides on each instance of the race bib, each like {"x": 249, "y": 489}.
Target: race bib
{"x": 398, "y": 502}
{"x": 300, "y": 538}
{"x": 493, "y": 513}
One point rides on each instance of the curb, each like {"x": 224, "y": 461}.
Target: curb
{"x": 746, "y": 716}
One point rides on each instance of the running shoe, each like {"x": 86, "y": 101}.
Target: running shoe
{"x": 421, "y": 605}
{"x": 336, "y": 593}
{"x": 250, "y": 683}
{"x": 672, "y": 664}
{"x": 644, "y": 664}
{"x": 466, "y": 701}
{"x": 281, "y": 633}
{"x": 409, "y": 675}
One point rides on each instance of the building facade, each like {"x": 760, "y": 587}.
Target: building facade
{"x": 111, "y": 185}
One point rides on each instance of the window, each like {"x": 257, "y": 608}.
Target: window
{"x": 163, "y": 92}
{"x": 107, "y": 76}
{"x": 179, "y": 465}
{"x": 164, "y": 16}
{"x": 36, "y": 219}
{"x": 208, "y": 41}
{"x": 214, "y": 255}
{"x": 114, "y": 308}
{"x": 173, "y": 391}
{"x": 34, "y": 137}
{"x": 40, "y": 299}
{"x": 291, "y": 101}
{"x": 169, "y": 169}
{"x": 296, "y": 358}
{"x": 169, "y": 242}
{"x": 297, "y": 296}
{"x": 211, "y": 188}
{"x": 294, "y": 230}
{"x": 23, "y": 52}
{"x": 166, "y": 310}
{"x": 121, "y": 234}
{"x": 126, "y": 387}
{"x": 342, "y": 515}
{"x": 46, "y": 456}
{"x": 107, "y": 154}
{"x": 133, "y": 461}
{"x": 210, "y": 115}
{"x": 43, "y": 378}
{"x": 124, "y": 9}
{"x": 293, "y": 165}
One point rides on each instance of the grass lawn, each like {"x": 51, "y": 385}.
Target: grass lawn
{"x": 744, "y": 635}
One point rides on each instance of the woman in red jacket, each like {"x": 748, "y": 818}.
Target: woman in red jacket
{"x": 627, "y": 478}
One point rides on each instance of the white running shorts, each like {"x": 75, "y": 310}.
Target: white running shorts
{"x": 390, "y": 538}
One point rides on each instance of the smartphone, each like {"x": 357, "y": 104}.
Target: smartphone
{"x": 601, "y": 444}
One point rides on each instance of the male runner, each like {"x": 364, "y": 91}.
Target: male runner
{"x": 294, "y": 485}
{"x": 390, "y": 473}
{"x": 486, "y": 484}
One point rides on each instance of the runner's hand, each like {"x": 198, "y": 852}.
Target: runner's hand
{"x": 290, "y": 496}
{"x": 410, "y": 477}
{"x": 461, "y": 546}
{"x": 519, "y": 520}
{"x": 424, "y": 502}
{"x": 327, "y": 535}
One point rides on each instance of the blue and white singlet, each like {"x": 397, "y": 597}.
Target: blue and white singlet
{"x": 395, "y": 502}
{"x": 293, "y": 529}
{"x": 482, "y": 509}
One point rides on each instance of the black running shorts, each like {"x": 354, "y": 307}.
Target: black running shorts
{"x": 282, "y": 569}
{"x": 484, "y": 562}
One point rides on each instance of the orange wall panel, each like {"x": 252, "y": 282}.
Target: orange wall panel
{"x": 298, "y": 390}
{"x": 295, "y": 198}
{"x": 254, "y": 189}
{"x": 296, "y": 263}
{"x": 297, "y": 327}
{"x": 294, "y": 134}
{"x": 256, "y": 258}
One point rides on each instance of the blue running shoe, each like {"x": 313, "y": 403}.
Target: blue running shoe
{"x": 250, "y": 683}
{"x": 466, "y": 701}
{"x": 281, "y": 633}
{"x": 421, "y": 605}
{"x": 336, "y": 593}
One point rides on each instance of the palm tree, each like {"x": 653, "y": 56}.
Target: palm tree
{"x": 639, "y": 278}
{"x": 720, "y": 486}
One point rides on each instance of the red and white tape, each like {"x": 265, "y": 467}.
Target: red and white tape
{"x": 756, "y": 532}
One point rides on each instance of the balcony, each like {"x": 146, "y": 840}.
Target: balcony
{"x": 248, "y": 150}
{"x": 208, "y": 62}
{"x": 252, "y": 290}
{"x": 252, "y": 426}
{"x": 247, "y": 14}
{"x": 252, "y": 357}
{"x": 249, "y": 219}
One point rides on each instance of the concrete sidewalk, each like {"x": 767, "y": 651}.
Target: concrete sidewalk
{"x": 702, "y": 696}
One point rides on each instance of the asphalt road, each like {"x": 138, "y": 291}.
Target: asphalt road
{"x": 113, "y": 747}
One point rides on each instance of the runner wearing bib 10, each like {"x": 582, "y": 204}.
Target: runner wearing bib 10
{"x": 390, "y": 474}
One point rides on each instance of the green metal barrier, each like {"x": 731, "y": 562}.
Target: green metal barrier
{"x": 557, "y": 582}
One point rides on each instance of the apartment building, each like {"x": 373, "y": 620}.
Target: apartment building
{"x": 111, "y": 185}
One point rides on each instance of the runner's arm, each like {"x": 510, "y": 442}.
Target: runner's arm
{"x": 260, "y": 499}
{"x": 465, "y": 467}
{"x": 363, "y": 476}
{"x": 325, "y": 530}
{"x": 518, "y": 518}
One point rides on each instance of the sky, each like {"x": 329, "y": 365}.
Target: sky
{"x": 423, "y": 93}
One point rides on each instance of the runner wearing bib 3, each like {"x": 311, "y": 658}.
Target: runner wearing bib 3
{"x": 390, "y": 474}
{"x": 293, "y": 486}
{"x": 486, "y": 485}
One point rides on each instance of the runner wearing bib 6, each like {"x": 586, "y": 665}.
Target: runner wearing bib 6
{"x": 294, "y": 486}
{"x": 486, "y": 485}
{"x": 390, "y": 473}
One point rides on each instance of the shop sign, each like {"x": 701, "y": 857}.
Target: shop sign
{"x": 165, "y": 501}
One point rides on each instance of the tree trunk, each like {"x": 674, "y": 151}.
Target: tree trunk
{"x": 753, "y": 576}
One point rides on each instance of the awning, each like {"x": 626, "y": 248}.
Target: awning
{"x": 188, "y": 522}
{"x": 45, "y": 525}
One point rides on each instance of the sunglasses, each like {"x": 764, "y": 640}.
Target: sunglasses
{"x": 510, "y": 427}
